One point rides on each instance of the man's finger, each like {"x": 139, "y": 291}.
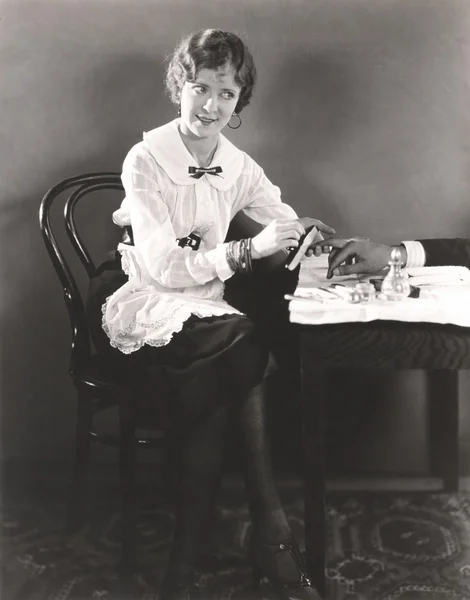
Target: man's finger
{"x": 341, "y": 255}
{"x": 334, "y": 242}
{"x": 345, "y": 270}
{"x": 333, "y": 252}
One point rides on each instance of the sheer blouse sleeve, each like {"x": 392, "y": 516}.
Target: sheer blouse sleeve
{"x": 264, "y": 199}
{"x": 154, "y": 237}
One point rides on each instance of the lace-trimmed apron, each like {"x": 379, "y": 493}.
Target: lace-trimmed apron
{"x": 212, "y": 360}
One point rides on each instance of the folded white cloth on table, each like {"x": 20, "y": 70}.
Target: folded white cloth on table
{"x": 437, "y": 276}
{"x": 432, "y": 308}
{"x": 447, "y": 301}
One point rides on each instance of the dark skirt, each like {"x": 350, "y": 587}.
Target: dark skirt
{"x": 212, "y": 360}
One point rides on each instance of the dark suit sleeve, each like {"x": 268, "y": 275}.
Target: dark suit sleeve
{"x": 452, "y": 251}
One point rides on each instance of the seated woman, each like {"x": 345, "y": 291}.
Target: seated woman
{"x": 184, "y": 183}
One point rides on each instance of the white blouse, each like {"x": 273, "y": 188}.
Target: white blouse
{"x": 163, "y": 203}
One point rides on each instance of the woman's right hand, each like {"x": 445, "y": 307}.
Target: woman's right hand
{"x": 278, "y": 235}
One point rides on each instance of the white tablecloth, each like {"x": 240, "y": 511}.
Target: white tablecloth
{"x": 436, "y": 304}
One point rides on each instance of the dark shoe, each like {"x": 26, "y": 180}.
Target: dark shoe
{"x": 282, "y": 565}
{"x": 179, "y": 591}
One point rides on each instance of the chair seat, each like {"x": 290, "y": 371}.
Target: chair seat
{"x": 103, "y": 371}
{"x": 107, "y": 380}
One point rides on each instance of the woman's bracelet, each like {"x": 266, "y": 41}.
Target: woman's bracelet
{"x": 229, "y": 253}
{"x": 239, "y": 256}
{"x": 245, "y": 262}
{"x": 248, "y": 256}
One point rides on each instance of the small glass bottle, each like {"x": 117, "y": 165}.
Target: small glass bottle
{"x": 395, "y": 285}
{"x": 366, "y": 291}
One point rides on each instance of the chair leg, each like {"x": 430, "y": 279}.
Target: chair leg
{"x": 127, "y": 476}
{"x": 79, "y": 492}
{"x": 314, "y": 394}
{"x": 443, "y": 402}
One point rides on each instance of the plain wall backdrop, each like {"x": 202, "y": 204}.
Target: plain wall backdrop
{"x": 361, "y": 116}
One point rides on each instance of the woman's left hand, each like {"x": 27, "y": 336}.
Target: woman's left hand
{"x": 318, "y": 249}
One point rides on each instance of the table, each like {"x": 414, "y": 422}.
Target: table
{"x": 440, "y": 349}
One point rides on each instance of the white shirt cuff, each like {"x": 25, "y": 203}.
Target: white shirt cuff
{"x": 415, "y": 253}
{"x": 224, "y": 272}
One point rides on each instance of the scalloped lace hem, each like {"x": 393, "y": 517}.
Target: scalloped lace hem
{"x": 118, "y": 337}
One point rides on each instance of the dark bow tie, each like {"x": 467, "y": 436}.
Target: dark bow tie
{"x": 198, "y": 172}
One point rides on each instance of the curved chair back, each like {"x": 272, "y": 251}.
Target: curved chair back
{"x": 81, "y": 186}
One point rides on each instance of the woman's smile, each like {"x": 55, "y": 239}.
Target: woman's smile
{"x": 206, "y": 121}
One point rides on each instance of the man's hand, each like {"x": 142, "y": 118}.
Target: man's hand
{"x": 314, "y": 248}
{"x": 360, "y": 255}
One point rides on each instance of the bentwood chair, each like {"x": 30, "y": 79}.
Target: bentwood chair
{"x": 98, "y": 383}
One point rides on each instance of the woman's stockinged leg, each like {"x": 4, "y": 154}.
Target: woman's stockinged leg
{"x": 269, "y": 519}
{"x": 200, "y": 464}
{"x": 270, "y": 524}
{"x": 275, "y": 554}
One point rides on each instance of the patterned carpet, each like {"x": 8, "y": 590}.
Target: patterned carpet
{"x": 380, "y": 547}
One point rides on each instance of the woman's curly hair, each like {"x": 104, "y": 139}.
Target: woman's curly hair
{"x": 211, "y": 49}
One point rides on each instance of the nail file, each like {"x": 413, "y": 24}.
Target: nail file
{"x": 333, "y": 292}
{"x": 298, "y": 253}
{"x": 307, "y": 298}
